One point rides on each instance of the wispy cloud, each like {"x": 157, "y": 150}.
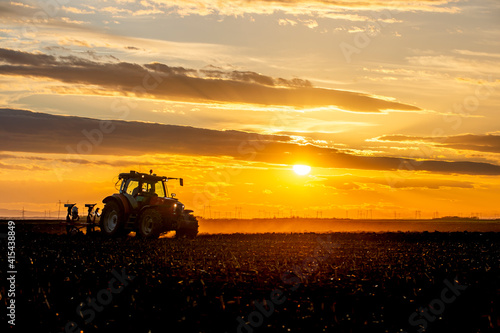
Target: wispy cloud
{"x": 76, "y": 10}
{"x": 477, "y": 54}
{"x": 320, "y": 8}
{"x": 455, "y": 64}
{"x": 484, "y": 143}
{"x": 348, "y": 182}
{"x": 332, "y": 9}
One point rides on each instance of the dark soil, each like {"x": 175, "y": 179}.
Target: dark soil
{"x": 339, "y": 282}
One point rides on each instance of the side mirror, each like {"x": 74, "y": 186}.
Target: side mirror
{"x": 182, "y": 181}
{"x": 173, "y": 195}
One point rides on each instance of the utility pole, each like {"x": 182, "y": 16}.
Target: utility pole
{"x": 59, "y": 210}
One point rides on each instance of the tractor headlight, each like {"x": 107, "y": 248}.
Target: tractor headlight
{"x": 178, "y": 208}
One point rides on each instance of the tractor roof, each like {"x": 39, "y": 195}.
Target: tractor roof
{"x": 137, "y": 175}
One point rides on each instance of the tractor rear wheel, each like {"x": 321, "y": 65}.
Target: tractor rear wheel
{"x": 111, "y": 222}
{"x": 150, "y": 224}
{"x": 189, "y": 227}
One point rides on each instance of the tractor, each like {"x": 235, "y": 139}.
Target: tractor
{"x": 143, "y": 205}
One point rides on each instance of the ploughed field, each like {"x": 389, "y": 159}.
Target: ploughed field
{"x": 284, "y": 282}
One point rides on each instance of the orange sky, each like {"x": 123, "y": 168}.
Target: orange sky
{"x": 394, "y": 105}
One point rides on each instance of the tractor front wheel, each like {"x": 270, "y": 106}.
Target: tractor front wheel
{"x": 150, "y": 224}
{"x": 111, "y": 222}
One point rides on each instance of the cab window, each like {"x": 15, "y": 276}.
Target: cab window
{"x": 132, "y": 185}
{"x": 158, "y": 188}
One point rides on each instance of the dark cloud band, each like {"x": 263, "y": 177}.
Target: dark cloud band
{"x": 160, "y": 81}
{"x": 26, "y": 131}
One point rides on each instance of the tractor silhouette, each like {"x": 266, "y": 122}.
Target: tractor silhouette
{"x": 143, "y": 205}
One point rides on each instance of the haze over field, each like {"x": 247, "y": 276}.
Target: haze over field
{"x": 393, "y": 104}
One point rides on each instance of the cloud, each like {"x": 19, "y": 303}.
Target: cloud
{"x": 287, "y": 22}
{"x": 455, "y": 64}
{"x": 116, "y": 10}
{"x": 318, "y": 8}
{"x": 25, "y": 131}
{"x": 75, "y": 10}
{"x": 484, "y": 143}
{"x": 252, "y": 77}
{"x": 349, "y": 182}
{"x": 28, "y": 19}
{"x": 96, "y": 161}
{"x": 477, "y": 54}
{"x": 347, "y": 10}
{"x": 160, "y": 81}
{"x": 19, "y": 4}
{"x": 25, "y": 58}
{"x": 22, "y": 167}
{"x": 311, "y": 24}
{"x": 70, "y": 21}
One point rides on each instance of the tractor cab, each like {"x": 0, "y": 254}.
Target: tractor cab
{"x": 136, "y": 187}
{"x": 140, "y": 189}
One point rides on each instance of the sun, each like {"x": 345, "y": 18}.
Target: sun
{"x": 301, "y": 170}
